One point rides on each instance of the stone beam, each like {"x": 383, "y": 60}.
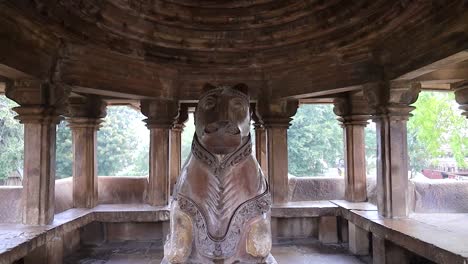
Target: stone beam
{"x": 87, "y": 69}
{"x": 41, "y": 104}
{"x": 276, "y": 116}
{"x": 84, "y": 117}
{"x": 26, "y": 49}
{"x": 160, "y": 115}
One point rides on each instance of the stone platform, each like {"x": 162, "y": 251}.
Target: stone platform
{"x": 151, "y": 252}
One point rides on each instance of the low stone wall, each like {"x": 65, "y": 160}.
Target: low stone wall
{"x": 324, "y": 188}
{"x": 63, "y": 194}
{"x": 439, "y": 196}
{"x": 10, "y": 204}
{"x": 122, "y": 190}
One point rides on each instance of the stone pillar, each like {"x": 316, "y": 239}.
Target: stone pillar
{"x": 41, "y": 104}
{"x": 176, "y": 146}
{"x": 85, "y": 116}
{"x": 276, "y": 115}
{"x": 461, "y": 96}
{"x": 391, "y": 110}
{"x": 353, "y": 114}
{"x": 160, "y": 117}
{"x": 260, "y": 143}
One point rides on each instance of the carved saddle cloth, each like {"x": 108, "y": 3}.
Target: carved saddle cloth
{"x": 218, "y": 198}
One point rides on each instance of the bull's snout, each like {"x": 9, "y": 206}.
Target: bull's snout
{"x": 222, "y": 126}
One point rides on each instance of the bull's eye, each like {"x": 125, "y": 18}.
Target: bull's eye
{"x": 237, "y": 104}
{"x": 209, "y": 103}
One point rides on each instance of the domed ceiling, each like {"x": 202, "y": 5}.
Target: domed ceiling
{"x": 288, "y": 47}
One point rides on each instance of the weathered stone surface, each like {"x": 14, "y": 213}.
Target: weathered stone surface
{"x": 328, "y": 229}
{"x": 222, "y": 195}
{"x": 358, "y": 240}
{"x": 161, "y": 115}
{"x": 276, "y": 115}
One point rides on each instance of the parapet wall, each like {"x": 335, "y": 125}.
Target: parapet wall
{"x": 434, "y": 196}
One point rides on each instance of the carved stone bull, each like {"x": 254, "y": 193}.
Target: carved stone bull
{"x": 220, "y": 212}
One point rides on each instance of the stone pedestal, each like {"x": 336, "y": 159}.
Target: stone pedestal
{"x": 276, "y": 115}
{"x": 85, "y": 116}
{"x": 161, "y": 115}
{"x": 39, "y": 111}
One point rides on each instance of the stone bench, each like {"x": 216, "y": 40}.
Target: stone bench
{"x": 440, "y": 238}
{"x": 306, "y": 219}
{"x": 18, "y": 241}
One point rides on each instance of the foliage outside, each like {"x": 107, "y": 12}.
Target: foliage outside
{"x": 437, "y": 130}
{"x": 11, "y": 140}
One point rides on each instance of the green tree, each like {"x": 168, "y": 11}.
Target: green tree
{"x": 436, "y": 129}
{"x": 64, "y": 154}
{"x": 11, "y": 139}
{"x": 121, "y": 146}
{"x": 187, "y": 137}
{"x": 315, "y": 140}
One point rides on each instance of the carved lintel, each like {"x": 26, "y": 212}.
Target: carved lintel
{"x": 160, "y": 113}
{"x": 277, "y": 112}
{"x": 461, "y": 96}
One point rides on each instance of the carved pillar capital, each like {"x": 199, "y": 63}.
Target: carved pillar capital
{"x": 351, "y": 110}
{"x": 258, "y": 122}
{"x": 40, "y": 101}
{"x": 392, "y": 99}
{"x": 277, "y": 112}
{"x": 160, "y": 113}
{"x": 180, "y": 120}
{"x": 461, "y": 96}
{"x": 86, "y": 112}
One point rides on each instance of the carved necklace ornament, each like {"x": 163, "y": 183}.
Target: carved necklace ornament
{"x": 226, "y": 246}
{"x": 230, "y": 160}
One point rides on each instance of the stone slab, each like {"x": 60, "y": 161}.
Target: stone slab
{"x": 304, "y": 209}
{"x": 435, "y": 242}
{"x": 17, "y": 240}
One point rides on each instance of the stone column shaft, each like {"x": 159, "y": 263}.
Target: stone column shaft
{"x": 355, "y": 158}
{"x": 390, "y": 103}
{"x": 392, "y": 165}
{"x": 276, "y": 116}
{"x": 176, "y": 159}
{"x": 158, "y": 181}
{"x": 278, "y": 163}
{"x": 85, "y": 179}
{"x": 39, "y": 170}
{"x": 41, "y": 104}
{"x": 161, "y": 116}
{"x": 85, "y": 116}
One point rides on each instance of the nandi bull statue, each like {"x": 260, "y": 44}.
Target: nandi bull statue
{"x": 220, "y": 212}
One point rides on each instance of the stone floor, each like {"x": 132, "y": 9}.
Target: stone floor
{"x": 286, "y": 252}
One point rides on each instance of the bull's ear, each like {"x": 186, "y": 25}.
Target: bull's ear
{"x": 241, "y": 88}
{"x": 208, "y": 87}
